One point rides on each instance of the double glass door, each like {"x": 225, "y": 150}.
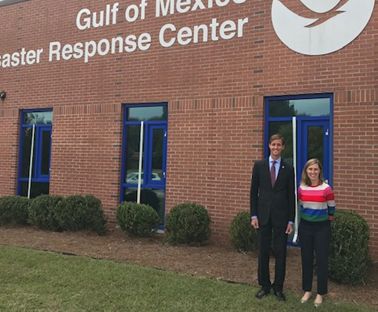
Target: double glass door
{"x": 35, "y": 150}
{"x": 144, "y": 156}
{"x": 312, "y": 139}
{"x": 305, "y": 122}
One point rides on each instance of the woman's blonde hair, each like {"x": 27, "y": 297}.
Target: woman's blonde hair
{"x": 313, "y": 161}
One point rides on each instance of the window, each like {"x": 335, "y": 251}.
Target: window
{"x": 7, "y": 2}
{"x": 35, "y": 149}
{"x": 316, "y": 107}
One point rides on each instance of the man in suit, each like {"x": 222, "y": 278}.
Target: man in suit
{"x": 272, "y": 214}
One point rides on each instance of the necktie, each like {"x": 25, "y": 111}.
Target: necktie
{"x": 273, "y": 172}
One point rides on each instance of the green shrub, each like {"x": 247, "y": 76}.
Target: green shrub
{"x": 14, "y": 210}
{"x": 77, "y": 212}
{"x": 147, "y": 197}
{"x": 188, "y": 223}
{"x": 42, "y": 212}
{"x": 243, "y": 236}
{"x": 137, "y": 219}
{"x": 349, "y": 254}
{"x": 96, "y": 218}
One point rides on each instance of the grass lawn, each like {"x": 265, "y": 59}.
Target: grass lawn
{"x": 43, "y": 281}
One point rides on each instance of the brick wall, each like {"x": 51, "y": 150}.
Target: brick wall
{"x": 215, "y": 94}
{"x": 211, "y": 145}
{"x": 8, "y": 150}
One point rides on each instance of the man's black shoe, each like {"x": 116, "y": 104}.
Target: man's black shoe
{"x": 262, "y": 293}
{"x": 279, "y": 295}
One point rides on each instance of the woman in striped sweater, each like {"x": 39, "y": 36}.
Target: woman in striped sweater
{"x": 317, "y": 210}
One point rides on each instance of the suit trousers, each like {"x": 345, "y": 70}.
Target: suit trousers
{"x": 265, "y": 234}
{"x": 314, "y": 238}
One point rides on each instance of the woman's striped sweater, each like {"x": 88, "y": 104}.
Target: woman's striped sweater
{"x": 317, "y": 202}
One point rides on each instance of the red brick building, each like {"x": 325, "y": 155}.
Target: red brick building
{"x": 210, "y": 79}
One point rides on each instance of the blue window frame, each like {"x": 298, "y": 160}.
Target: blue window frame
{"x": 34, "y": 154}
{"x": 314, "y": 128}
{"x": 153, "y": 171}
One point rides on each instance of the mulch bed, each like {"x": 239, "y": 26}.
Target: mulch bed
{"x": 219, "y": 262}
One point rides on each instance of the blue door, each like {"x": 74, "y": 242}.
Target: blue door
{"x": 314, "y": 142}
{"x": 150, "y": 121}
{"x": 305, "y": 121}
{"x": 312, "y": 133}
{"x": 156, "y": 149}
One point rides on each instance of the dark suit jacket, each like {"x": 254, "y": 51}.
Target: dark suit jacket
{"x": 276, "y": 203}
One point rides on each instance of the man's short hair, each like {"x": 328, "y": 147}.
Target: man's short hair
{"x": 277, "y": 136}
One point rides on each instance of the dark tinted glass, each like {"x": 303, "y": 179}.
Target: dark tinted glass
{"x": 36, "y": 189}
{"x": 315, "y": 143}
{"x": 45, "y": 152}
{"x": 284, "y": 128}
{"x": 147, "y": 113}
{"x": 303, "y": 107}
{"x": 157, "y": 155}
{"x": 132, "y": 154}
{"x": 26, "y": 144}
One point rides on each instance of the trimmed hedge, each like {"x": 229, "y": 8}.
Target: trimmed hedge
{"x": 188, "y": 223}
{"x": 77, "y": 212}
{"x": 14, "y": 210}
{"x": 349, "y": 254}
{"x": 42, "y": 212}
{"x": 96, "y": 218}
{"x": 137, "y": 219}
{"x": 243, "y": 236}
{"x": 147, "y": 197}
{"x": 55, "y": 213}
